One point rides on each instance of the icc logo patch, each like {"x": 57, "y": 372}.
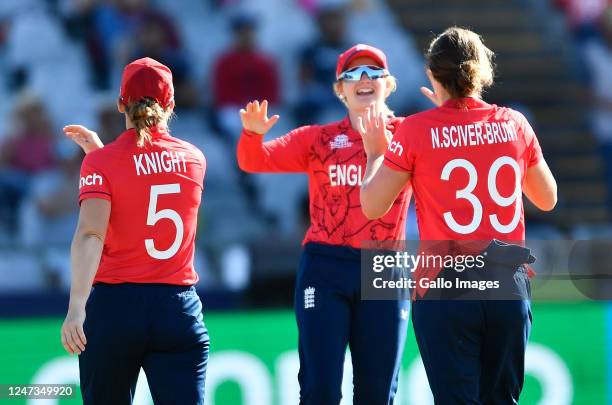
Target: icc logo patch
{"x": 340, "y": 142}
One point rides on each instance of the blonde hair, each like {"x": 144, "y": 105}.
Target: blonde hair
{"x": 460, "y": 61}
{"x": 390, "y": 78}
{"x": 144, "y": 114}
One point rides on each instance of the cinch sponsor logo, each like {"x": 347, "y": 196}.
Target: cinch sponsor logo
{"x": 91, "y": 180}
{"x": 340, "y": 142}
{"x": 396, "y": 147}
{"x": 345, "y": 175}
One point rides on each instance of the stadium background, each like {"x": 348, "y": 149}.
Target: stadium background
{"x": 60, "y": 62}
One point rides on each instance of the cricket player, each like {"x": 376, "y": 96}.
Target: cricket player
{"x": 139, "y": 198}
{"x": 329, "y": 311}
{"x": 469, "y": 162}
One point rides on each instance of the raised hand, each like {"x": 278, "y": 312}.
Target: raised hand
{"x": 432, "y": 96}
{"x": 255, "y": 119}
{"x": 87, "y": 139}
{"x": 372, "y": 127}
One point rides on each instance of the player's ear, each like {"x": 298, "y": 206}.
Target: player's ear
{"x": 390, "y": 85}
{"x": 339, "y": 89}
{"x": 120, "y": 106}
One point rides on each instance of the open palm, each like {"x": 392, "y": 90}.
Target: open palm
{"x": 87, "y": 139}
{"x": 255, "y": 119}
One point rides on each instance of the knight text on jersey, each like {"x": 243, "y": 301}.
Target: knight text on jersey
{"x": 160, "y": 162}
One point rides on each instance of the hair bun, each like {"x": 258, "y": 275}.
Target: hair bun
{"x": 460, "y": 61}
{"x": 469, "y": 67}
{"x": 468, "y": 76}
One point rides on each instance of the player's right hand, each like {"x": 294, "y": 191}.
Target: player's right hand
{"x": 373, "y": 130}
{"x": 73, "y": 336}
{"x": 87, "y": 139}
{"x": 255, "y": 119}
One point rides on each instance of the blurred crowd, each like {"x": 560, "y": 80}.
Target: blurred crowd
{"x": 591, "y": 24}
{"x": 61, "y": 61}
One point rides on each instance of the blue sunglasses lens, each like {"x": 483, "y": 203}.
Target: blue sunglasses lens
{"x": 355, "y": 74}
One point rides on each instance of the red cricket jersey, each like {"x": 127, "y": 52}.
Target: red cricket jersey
{"x": 333, "y": 157}
{"x": 468, "y": 161}
{"x": 155, "y": 193}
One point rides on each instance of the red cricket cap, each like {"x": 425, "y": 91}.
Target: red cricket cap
{"x": 360, "y": 50}
{"x": 147, "y": 77}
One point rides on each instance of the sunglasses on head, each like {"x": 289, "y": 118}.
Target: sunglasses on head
{"x": 355, "y": 74}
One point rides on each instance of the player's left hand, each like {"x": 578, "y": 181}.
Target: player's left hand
{"x": 432, "y": 96}
{"x": 374, "y": 132}
{"x": 87, "y": 139}
{"x": 73, "y": 336}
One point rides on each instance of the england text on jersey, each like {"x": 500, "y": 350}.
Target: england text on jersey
{"x": 160, "y": 162}
{"x": 345, "y": 175}
{"x": 333, "y": 157}
{"x": 480, "y": 133}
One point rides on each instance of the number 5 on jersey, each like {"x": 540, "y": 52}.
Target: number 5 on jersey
{"x": 153, "y": 216}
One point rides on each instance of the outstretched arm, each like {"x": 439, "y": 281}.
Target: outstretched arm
{"x": 381, "y": 185}
{"x": 289, "y": 153}
{"x": 87, "y": 139}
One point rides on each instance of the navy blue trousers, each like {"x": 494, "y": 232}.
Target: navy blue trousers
{"x": 474, "y": 350}
{"x": 156, "y": 327}
{"x": 331, "y": 316}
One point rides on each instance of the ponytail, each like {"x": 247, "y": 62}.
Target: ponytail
{"x": 144, "y": 114}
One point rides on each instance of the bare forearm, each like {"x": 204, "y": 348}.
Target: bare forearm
{"x": 371, "y": 208}
{"x": 86, "y": 251}
{"x": 380, "y": 187}
{"x": 540, "y": 186}
{"x": 372, "y": 165}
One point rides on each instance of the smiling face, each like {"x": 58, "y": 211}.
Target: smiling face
{"x": 358, "y": 95}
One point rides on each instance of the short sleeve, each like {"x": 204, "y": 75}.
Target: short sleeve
{"x": 400, "y": 154}
{"x": 533, "y": 150}
{"x": 93, "y": 182}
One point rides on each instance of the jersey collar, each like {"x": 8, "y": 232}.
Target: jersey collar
{"x": 156, "y": 132}
{"x": 465, "y": 103}
{"x": 345, "y": 127}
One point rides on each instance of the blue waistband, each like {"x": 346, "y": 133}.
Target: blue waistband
{"x": 337, "y": 251}
{"x": 170, "y": 288}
